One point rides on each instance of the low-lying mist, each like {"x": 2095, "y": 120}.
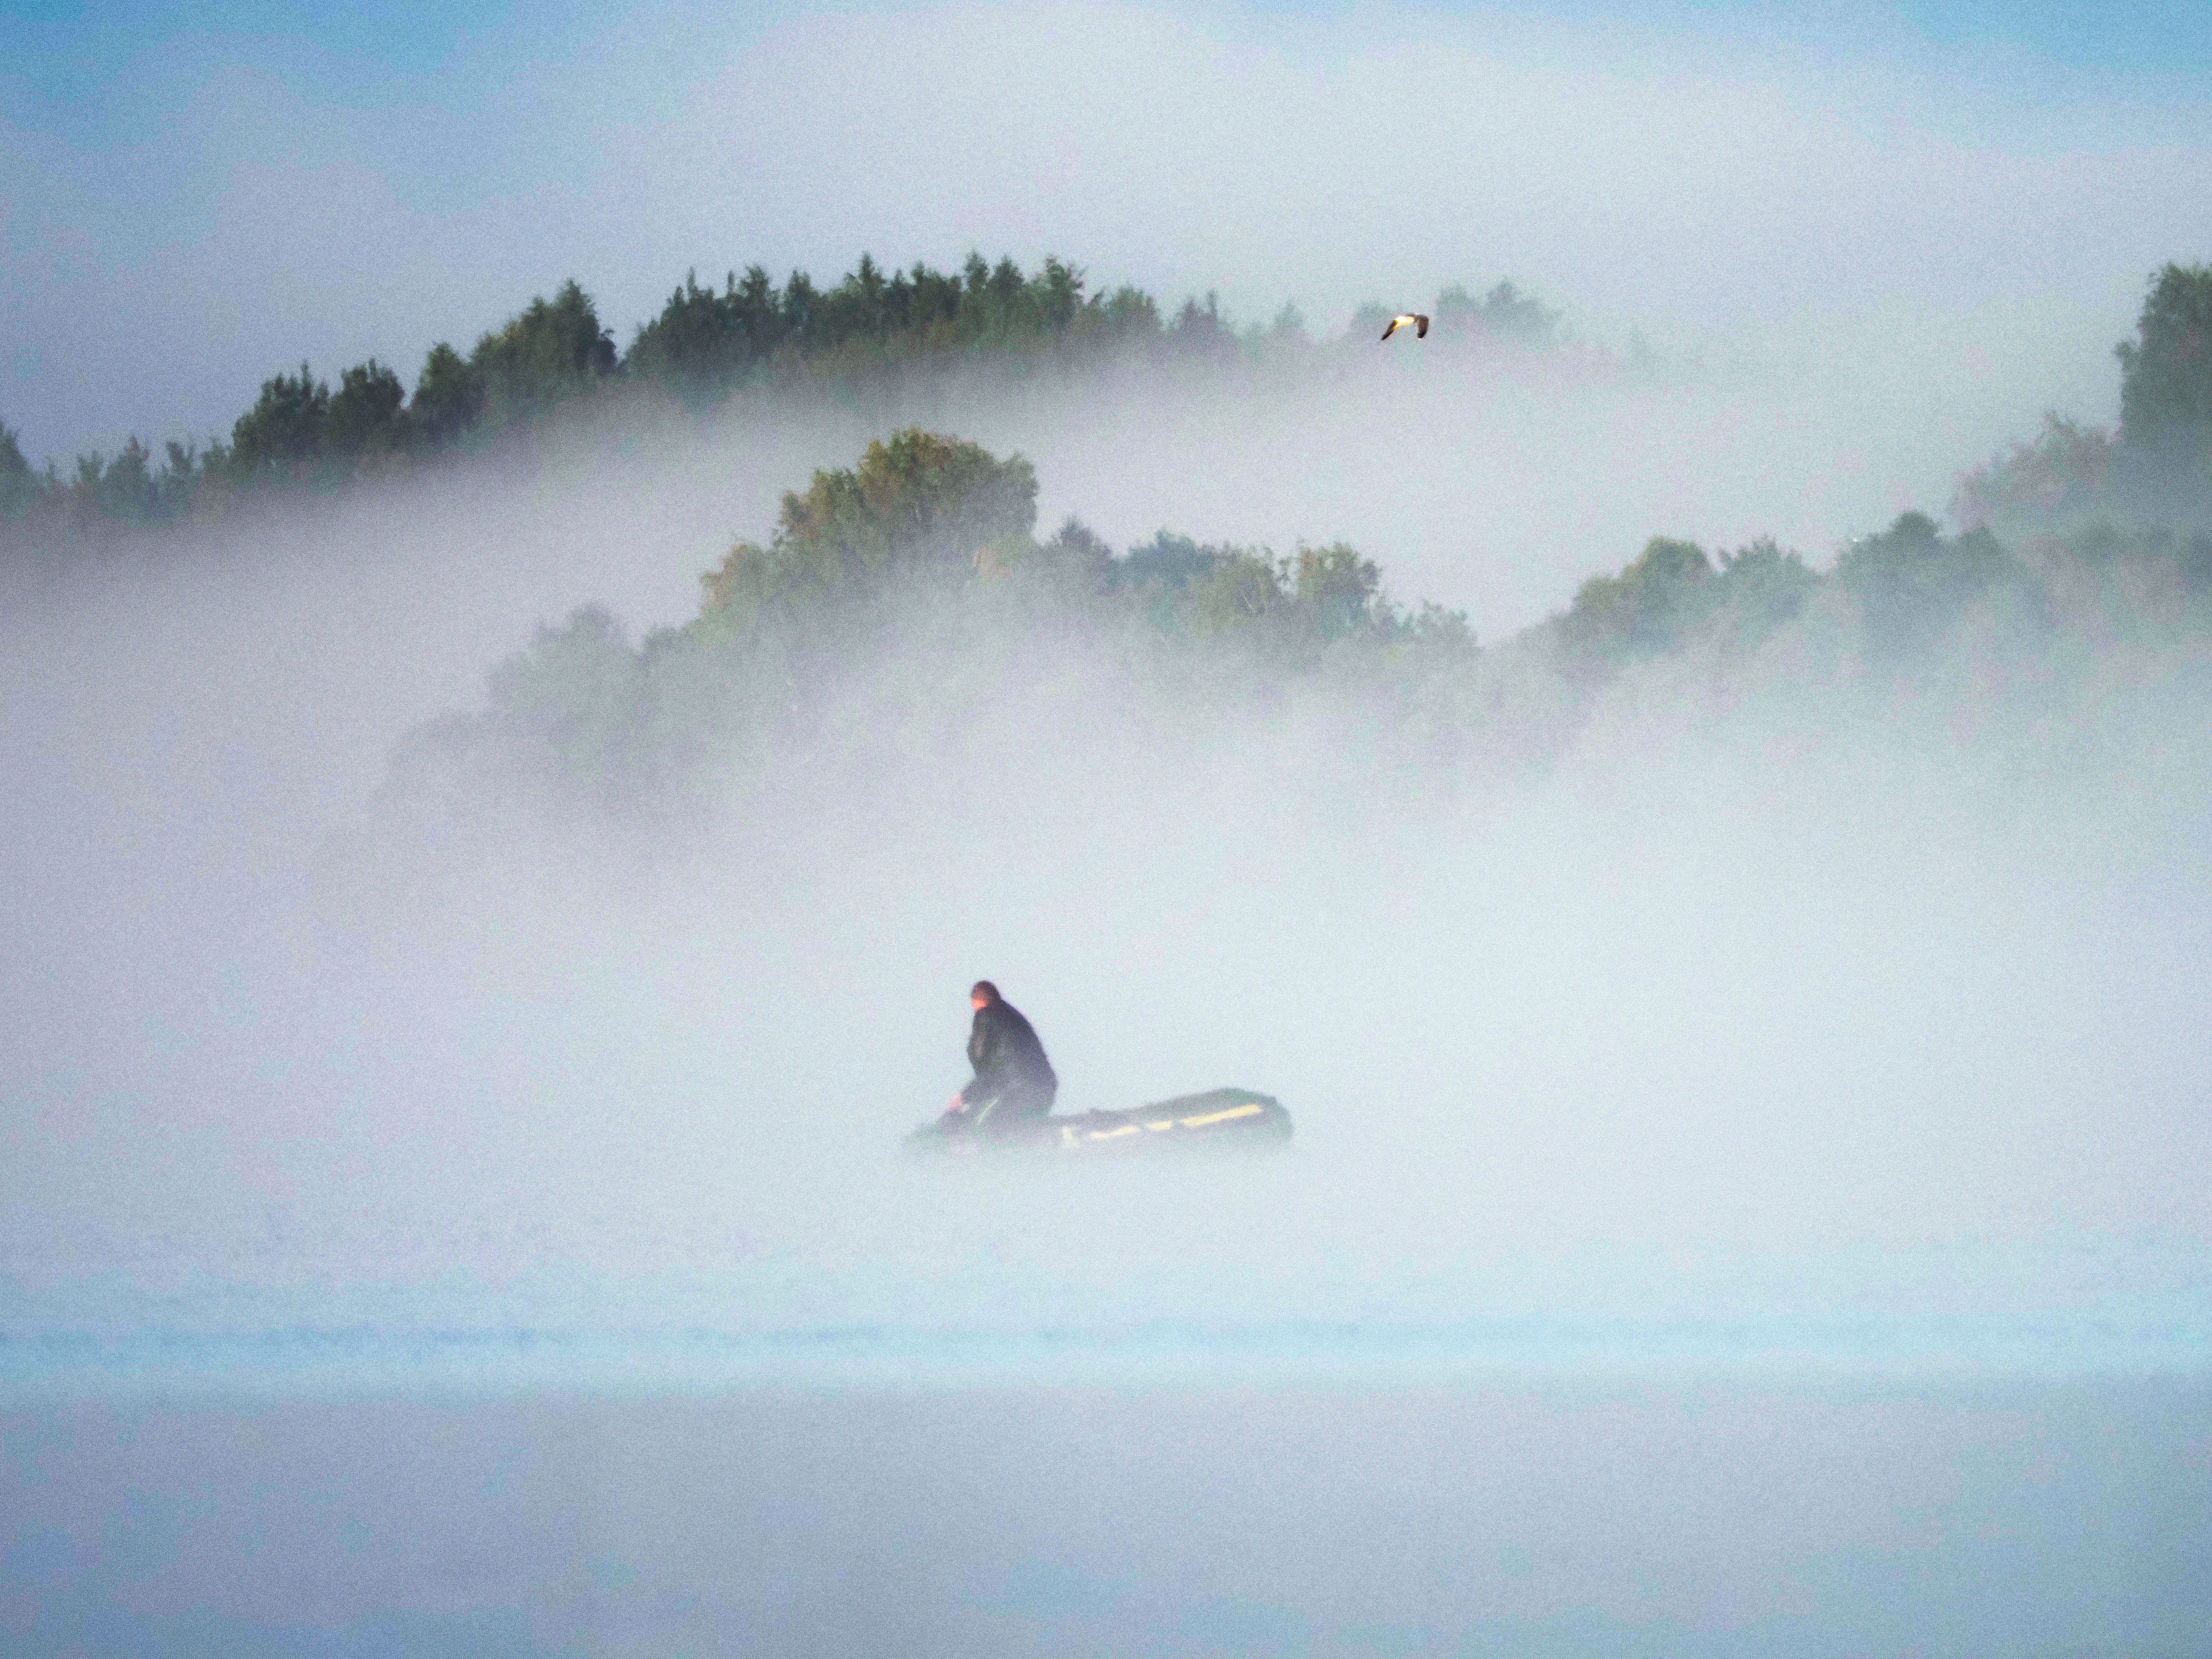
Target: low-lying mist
{"x": 1776, "y": 951}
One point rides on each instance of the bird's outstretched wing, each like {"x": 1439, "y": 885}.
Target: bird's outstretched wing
{"x": 1420, "y": 326}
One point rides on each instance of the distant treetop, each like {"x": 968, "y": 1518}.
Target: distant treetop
{"x": 705, "y": 345}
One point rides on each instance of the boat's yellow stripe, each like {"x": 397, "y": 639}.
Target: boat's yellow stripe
{"x": 1068, "y": 1136}
{"x": 1246, "y": 1111}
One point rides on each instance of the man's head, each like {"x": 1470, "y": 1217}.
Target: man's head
{"x": 983, "y": 994}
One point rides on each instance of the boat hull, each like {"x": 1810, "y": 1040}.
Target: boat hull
{"x": 1219, "y": 1120}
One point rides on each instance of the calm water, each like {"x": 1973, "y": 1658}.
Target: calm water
{"x": 1967, "y": 1451}
{"x": 2086, "y": 1310}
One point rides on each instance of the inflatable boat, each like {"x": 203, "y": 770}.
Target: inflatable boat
{"x": 1221, "y": 1120}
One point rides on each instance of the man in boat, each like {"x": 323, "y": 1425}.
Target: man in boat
{"x": 1013, "y": 1082}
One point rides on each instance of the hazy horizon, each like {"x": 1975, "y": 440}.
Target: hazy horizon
{"x": 1964, "y": 216}
{"x": 1749, "y": 1059}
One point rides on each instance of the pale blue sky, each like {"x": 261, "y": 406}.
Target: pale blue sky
{"x": 194, "y": 196}
{"x": 65, "y": 56}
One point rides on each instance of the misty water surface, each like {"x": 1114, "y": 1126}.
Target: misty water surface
{"x": 1806, "y": 1143}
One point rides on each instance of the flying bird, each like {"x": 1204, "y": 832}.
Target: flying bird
{"x": 1420, "y": 324}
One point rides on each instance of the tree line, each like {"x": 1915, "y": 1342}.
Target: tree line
{"x": 705, "y": 344}
{"x": 708, "y": 344}
{"x": 924, "y": 552}
{"x": 2154, "y": 467}
{"x": 905, "y": 604}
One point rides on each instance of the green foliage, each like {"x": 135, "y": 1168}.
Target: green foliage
{"x": 1237, "y": 591}
{"x": 1913, "y": 586}
{"x": 2159, "y": 469}
{"x": 364, "y": 416}
{"x": 917, "y": 504}
{"x": 19, "y": 485}
{"x": 1435, "y": 632}
{"x": 1301, "y": 606}
{"x": 283, "y": 430}
{"x": 1645, "y": 609}
{"x": 125, "y": 490}
{"x": 903, "y": 615}
{"x": 1170, "y": 561}
{"x": 298, "y": 428}
{"x": 1762, "y": 586}
{"x": 1156, "y": 578}
{"x": 581, "y": 693}
{"x": 704, "y": 342}
{"x": 1503, "y": 313}
{"x": 1077, "y": 557}
{"x": 2062, "y": 478}
{"x": 1128, "y": 313}
{"x": 449, "y": 399}
{"x": 923, "y": 554}
{"x": 2166, "y": 386}
{"x": 1673, "y": 592}
{"x": 705, "y": 345}
{"x": 1316, "y": 597}
{"x": 1202, "y": 330}
{"x": 553, "y": 352}
{"x": 1336, "y": 589}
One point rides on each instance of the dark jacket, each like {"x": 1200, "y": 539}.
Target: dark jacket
{"x": 1006, "y": 1056}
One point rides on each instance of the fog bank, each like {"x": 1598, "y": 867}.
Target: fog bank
{"x": 1663, "y": 994}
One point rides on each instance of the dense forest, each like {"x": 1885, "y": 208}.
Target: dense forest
{"x": 556, "y": 360}
{"x": 904, "y": 619}
{"x": 903, "y": 605}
